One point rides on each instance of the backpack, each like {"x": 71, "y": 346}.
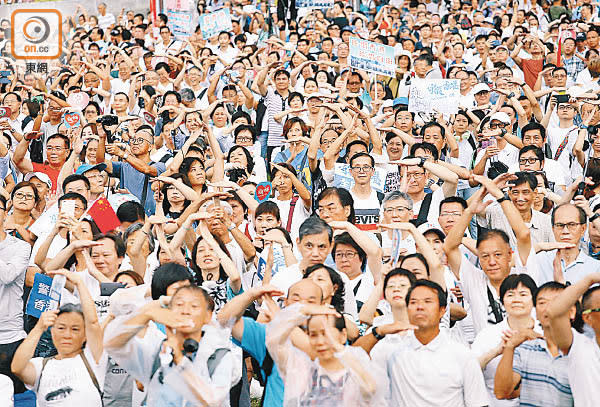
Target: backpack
{"x": 266, "y": 368}
{"x": 424, "y": 211}
{"x": 36, "y": 147}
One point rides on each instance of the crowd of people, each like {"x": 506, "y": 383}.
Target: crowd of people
{"x": 248, "y": 218}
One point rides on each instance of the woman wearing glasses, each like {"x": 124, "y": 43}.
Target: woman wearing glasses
{"x": 24, "y": 198}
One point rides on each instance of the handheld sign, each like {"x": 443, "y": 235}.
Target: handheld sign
{"x": 39, "y": 297}
{"x": 431, "y": 95}
{"x": 78, "y": 100}
{"x": 72, "y": 120}
{"x": 213, "y": 23}
{"x": 263, "y": 191}
{"x": 5, "y": 111}
{"x": 372, "y": 57}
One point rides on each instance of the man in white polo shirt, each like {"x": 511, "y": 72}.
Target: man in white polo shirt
{"x": 428, "y": 368}
{"x": 584, "y": 352}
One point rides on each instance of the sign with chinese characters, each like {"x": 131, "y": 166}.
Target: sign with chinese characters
{"x": 372, "y": 57}
{"x": 40, "y": 299}
{"x": 434, "y": 95}
{"x": 343, "y": 177}
{"x": 212, "y": 24}
{"x": 180, "y": 17}
{"x": 314, "y": 4}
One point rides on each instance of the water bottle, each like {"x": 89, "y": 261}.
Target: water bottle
{"x": 58, "y": 283}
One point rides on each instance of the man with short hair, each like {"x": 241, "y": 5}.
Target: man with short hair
{"x": 134, "y": 169}
{"x": 521, "y": 192}
{"x": 366, "y": 200}
{"x": 583, "y": 352}
{"x": 275, "y": 102}
{"x": 335, "y": 204}
{"x": 428, "y": 355}
{"x": 569, "y": 264}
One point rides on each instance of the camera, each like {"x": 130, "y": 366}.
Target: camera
{"x": 235, "y": 174}
{"x": 108, "y": 120}
{"x": 562, "y": 98}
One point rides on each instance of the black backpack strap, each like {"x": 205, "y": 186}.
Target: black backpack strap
{"x": 145, "y": 190}
{"x": 214, "y": 360}
{"x": 92, "y": 374}
{"x": 380, "y": 196}
{"x": 267, "y": 367}
{"x": 424, "y": 211}
{"x": 44, "y": 363}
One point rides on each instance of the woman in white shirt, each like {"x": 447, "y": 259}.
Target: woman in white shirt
{"x": 293, "y": 213}
{"x": 516, "y": 293}
{"x": 76, "y": 375}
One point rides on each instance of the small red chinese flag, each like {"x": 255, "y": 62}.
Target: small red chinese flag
{"x": 104, "y": 215}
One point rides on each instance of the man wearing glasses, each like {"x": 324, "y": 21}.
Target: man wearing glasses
{"x": 570, "y": 264}
{"x": 583, "y": 352}
{"x": 534, "y": 142}
{"x": 562, "y": 138}
{"x": 366, "y": 199}
{"x": 135, "y": 166}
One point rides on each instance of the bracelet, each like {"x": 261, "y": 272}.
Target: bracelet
{"x": 286, "y": 246}
{"x": 376, "y": 334}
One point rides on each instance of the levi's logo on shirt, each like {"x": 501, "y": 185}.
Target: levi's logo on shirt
{"x": 366, "y": 219}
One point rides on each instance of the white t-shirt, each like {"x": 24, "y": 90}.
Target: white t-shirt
{"x": 66, "y": 382}
{"x": 570, "y": 165}
{"x": 6, "y": 391}
{"x": 434, "y": 209}
{"x": 584, "y": 370}
{"x": 555, "y": 173}
{"x": 367, "y": 211}
{"x": 509, "y": 155}
{"x": 299, "y": 215}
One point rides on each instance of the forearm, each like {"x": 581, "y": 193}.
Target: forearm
{"x": 61, "y": 258}
{"x": 562, "y": 304}
{"x": 26, "y": 350}
{"x": 141, "y": 166}
{"x": 244, "y": 243}
{"x": 367, "y": 312}
{"x": 235, "y": 308}
{"x": 503, "y": 381}
{"x": 42, "y": 253}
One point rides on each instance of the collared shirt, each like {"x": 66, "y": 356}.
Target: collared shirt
{"x": 14, "y": 255}
{"x": 540, "y": 226}
{"x": 275, "y": 103}
{"x": 545, "y": 380}
{"x": 581, "y": 267}
{"x": 413, "y": 368}
{"x": 584, "y": 370}
{"x": 573, "y": 65}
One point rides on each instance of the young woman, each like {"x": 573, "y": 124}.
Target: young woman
{"x": 285, "y": 183}
{"x": 214, "y": 270}
{"x": 193, "y": 168}
{"x": 24, "y": 197}
{"x": 239, "y": 158}
{"x": 75, "y": 376}
{"x": 339, "y": 376}
{"x": 516, "y": 293}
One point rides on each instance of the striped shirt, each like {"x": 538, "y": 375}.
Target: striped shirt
{"x": 275, "y": 103}
{"x": 545, "y": 379}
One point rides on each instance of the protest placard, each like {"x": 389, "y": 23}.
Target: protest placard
{"x": 342, "y": 177}
{"x": 372, "y": 57}
{"x": 39, "y": 297}
{"x": 431, "y": 95}
{"x": 179, "y": 13}
{"x": 314, "y": 4}
{"x": 213, "y": 23}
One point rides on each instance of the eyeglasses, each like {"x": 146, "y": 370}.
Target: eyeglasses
{"x": 589, "y": 311}
{"x": 362, "y": 169}
{"x": 498, "y": 125}
{"x": 347, "y": 255}
{"x": 445, "y": 214}
{"x": 394, "y": 144}
{"x": 57, "y": 149}
{"x": 138, "y": 140}
{"x": 415, "y": 175}
{"x": 530, "y": 160}
{"x": 27, "y": 197}
{"x": 244, "y": 139}
{"x": 571, "y": 225}
{"x": 400, "y": 209}
{"x": 565, "y": 107}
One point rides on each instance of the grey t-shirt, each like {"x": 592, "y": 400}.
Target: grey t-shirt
{"x": 133, "y": 181}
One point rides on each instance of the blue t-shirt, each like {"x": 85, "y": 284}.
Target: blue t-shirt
{"x": 133, "y": 181}
{"x": 253, "y": 342}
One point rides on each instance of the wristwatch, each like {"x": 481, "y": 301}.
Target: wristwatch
{"x": 504, "y": 198}
{"x": 376, "y": 334}
{"x": 125, "y": 156}
{"x": 231, "y": 227}
{"x": 511, "y": 95}
{"x": 594, "y": 217}
{"x": 423, "y": 161}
